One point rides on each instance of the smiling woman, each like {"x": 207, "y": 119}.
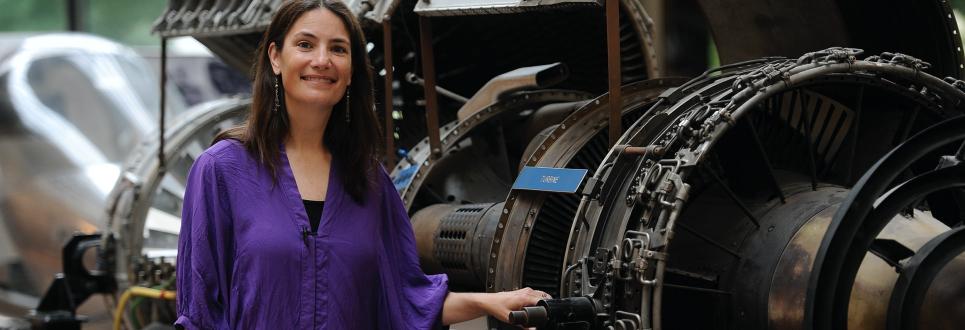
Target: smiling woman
{"x": 289, "y": 221}
{"x": 318, "y": 70}
{"x": 300, "y": 43}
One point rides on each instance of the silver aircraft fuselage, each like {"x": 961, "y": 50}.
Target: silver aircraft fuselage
{"x": 72, "y": 108}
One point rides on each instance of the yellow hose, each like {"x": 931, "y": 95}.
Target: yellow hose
{"x": 140, "y": 292}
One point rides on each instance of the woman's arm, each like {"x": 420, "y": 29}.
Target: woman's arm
{"x": 460, "y": 306}
{"x": 203, "y": 243}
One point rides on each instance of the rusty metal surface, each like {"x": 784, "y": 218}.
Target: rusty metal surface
{"x": 876, "y": 278}
{"x": 425, "y": 225}
{"x": 453, "y": 239}
{"x": 916, "y": 283}
{"x": 942, "y": 307}
{"x": 786, "y": 298}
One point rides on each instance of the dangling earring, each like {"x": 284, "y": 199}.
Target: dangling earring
{"x": 348, "y": 98}
{"x": 277, "y": 102}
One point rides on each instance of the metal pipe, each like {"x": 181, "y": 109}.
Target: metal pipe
{"x": 645, "y": 152}
{"x": 854, "y": 137}
{"x": 681, "y": 197}
{"x": 960, "y": 155}
{"x": 76, "y": 15}
{"x": 389, "y": 160}
{"x": 613, "y": 66}
{"x": 412, "y": 78}
{"x": 164, "y": 80}
{"x": 429, "y": 74}
{"x": 646, "y": 293}
{"x": 140, "y": 292}
{"x": 812, "y": 166}
{"x": 539, "y": 76}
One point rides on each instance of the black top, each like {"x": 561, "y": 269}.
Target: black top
{"x": 314, "y": 211}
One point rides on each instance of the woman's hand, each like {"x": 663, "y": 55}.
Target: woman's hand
{"x": 499, "y": 304}
{"x": 461, "y": 307}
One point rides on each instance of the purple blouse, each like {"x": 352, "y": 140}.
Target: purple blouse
{"x": 244, "y": 262}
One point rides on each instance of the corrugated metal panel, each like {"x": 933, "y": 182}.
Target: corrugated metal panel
{"x": 491, "y": 7}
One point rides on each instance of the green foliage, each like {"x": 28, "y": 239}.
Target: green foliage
{"x": 126, "y": 21}
{"x": 33, "y": 15}
{"x": 957, "y": 4}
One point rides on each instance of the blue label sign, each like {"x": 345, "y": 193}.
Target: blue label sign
{"x": 565, "y": 180}
{"x": 403, "y": 178}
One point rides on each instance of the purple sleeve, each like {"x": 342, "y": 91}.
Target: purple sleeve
{"x": 202, "y": 264}
{"x": 420, "y": 296}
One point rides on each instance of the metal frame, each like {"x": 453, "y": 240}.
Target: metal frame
{"x": 857, "y": 222}
{"x": 132, "y": 195}
{"x": 917, "y": 276}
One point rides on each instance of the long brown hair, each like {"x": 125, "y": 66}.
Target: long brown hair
{"x": 355, "y": 144}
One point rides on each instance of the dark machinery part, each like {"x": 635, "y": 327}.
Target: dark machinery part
{"x": 567, "y": 313}
{"x": 536, "y": 224}
{"x": 57, "y": 309}
{"x": 454, "y": 239}
{"x": 928, "y": 267}
{"x": 875, "y": 201}
{"x": 460, "y": 239}
{"x": 481, "y": 152}
{"x": 719, "y": 232}
{"x": 772, "y": 203}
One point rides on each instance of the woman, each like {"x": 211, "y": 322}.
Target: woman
{"x": 289, "y": 222}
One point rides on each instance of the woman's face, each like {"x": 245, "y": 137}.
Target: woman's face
{"x": 315, "y": 62}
